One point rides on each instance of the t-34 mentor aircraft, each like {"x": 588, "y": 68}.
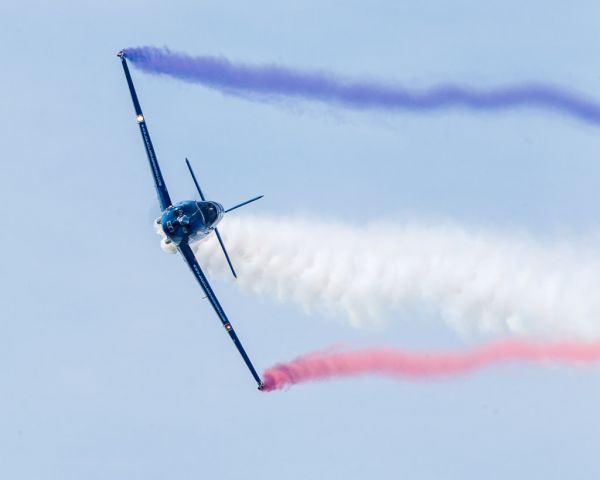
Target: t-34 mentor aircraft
{"x": 189, "y": 220}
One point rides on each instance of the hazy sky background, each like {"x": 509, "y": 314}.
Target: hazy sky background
{"x": 112, "y": 365}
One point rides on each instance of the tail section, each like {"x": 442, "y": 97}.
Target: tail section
{"x": 226, "y": 211}
{"x": 244, "y": 203}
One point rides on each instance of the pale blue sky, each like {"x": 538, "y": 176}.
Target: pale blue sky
{"x": 112, "y": 366}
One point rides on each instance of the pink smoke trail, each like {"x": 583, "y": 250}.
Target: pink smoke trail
{"x": 323, "y": 365}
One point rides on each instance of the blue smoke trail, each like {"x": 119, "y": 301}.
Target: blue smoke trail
{"x": 236, "y": 78}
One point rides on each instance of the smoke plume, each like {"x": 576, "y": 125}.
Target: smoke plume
{"x": 475, "y": 281}
{"x": 421, "y": 365}
{"x": 267, "y": 81}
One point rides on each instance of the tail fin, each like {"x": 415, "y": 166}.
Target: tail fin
{"x": 244, "y": 203}
{"x": 216, "y": 230}
{"x": 226, "y": 211}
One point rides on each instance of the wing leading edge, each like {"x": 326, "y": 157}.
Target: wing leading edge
{"x": 190, "y": 259}
{"x": 161, "y": 189}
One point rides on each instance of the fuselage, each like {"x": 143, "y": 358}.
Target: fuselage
{"x": 191, "y": 220}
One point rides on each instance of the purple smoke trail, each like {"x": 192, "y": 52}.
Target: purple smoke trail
{"x": 228, "y": 77}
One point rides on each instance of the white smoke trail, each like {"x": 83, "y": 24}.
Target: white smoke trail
{"x": 477, "y": 281}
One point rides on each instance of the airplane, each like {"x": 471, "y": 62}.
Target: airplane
{"x": 188, "y": 221}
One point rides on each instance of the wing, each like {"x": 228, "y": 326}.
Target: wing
{"x": 190, "y": 258}
{"x": 161, "y": 189}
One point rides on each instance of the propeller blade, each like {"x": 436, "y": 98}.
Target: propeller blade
{"x": 225, "y": 252}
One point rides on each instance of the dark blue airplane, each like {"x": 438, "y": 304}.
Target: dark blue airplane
{"x": 189, "y": 220}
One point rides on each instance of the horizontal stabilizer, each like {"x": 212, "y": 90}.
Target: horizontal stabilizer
{"x": 225, "y": 252}
{"x": 194, "y": 178}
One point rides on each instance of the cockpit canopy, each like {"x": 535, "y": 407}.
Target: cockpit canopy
{"x": 211, "y": 211}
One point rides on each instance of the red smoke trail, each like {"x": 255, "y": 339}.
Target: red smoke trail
{"x": 323, "y": 365}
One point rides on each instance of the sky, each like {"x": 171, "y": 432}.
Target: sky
{"x": 111, "y": 363}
